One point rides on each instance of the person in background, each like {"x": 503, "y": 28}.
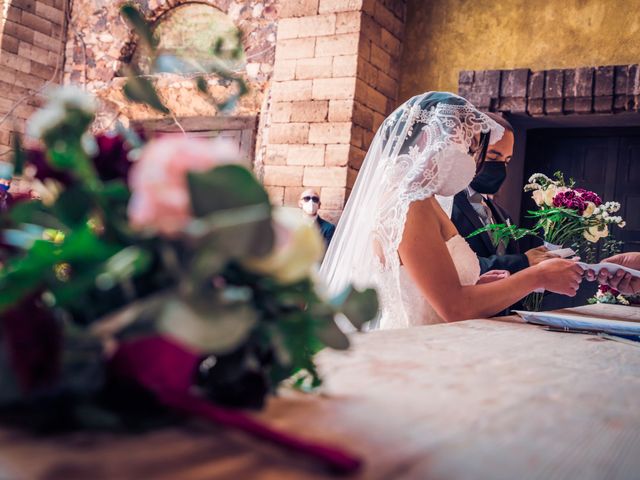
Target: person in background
{"x": 310, "y": 204}
{"x": 473, "y": 208}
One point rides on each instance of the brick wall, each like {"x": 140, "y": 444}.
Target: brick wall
{"x": 605, "y": 89}
{"x": 31, "y": 55}
{"x": 335, "y": 79}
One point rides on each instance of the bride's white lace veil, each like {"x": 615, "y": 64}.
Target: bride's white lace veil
{"x": 412, "y": 154}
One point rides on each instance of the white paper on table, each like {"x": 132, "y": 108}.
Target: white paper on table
{"x": 631, "y": 326}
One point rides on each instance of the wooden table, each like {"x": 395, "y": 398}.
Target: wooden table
{"x": 482, "y": 399}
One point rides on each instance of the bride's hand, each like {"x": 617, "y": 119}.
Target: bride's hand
{"x": 492, "y": 276}
{"x": 560, "y": 276}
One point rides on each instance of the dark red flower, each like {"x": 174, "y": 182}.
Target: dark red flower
{"x": 606, "y": 288}
{"x": 570, "y": 200}
{"x": 33, "y": 340}
{"x": 589, "y": 196}
{"x": 44, "y": 170}
{"x": 112, "y": 161}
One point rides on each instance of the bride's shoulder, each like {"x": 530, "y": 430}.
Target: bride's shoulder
{"x": 426, "y": 215}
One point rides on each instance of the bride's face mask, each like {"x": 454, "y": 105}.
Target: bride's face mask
{"x": 458, "y": 169}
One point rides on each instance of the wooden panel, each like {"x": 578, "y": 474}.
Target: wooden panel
{"x": 241, "y": 130}
{"x": 482, "y": 399}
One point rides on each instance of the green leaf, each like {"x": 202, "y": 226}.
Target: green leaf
{"x": 73, "y": 206}
{"x": 141, "y": 90}
{"x": 35, "y": 212}
{"x": 331, "y": 335}
{"x": 202, "y": 85}
{"x": 141, "y": 27}
{"x": 18, "y": 154}
{"x": 234, "y": 207}
{"x": 359, "y": 307}
{"x": 207, "y": 326}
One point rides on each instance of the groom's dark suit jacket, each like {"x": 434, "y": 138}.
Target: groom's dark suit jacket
{"x": 466, "y": 220}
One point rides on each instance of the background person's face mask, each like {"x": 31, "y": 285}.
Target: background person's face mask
{"x": 490, "y": 177}
{"x": 310, "y": 205}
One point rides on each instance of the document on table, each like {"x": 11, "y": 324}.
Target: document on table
{"x": 615, "y": 319}
{"x": 610, "y": 267}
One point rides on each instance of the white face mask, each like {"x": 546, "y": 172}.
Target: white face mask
{"x": 310, "y": 208}
{"x": 457, "y": 169}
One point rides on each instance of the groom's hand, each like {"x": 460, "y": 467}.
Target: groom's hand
{"x": 537, "y": 255}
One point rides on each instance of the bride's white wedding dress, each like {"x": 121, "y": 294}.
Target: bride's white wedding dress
{"x": 422, "y": 313}
{"x": 421, "y": 150}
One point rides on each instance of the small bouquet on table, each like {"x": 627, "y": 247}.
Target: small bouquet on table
{"x": 155, "y": 279}
{"x": 570, "y": 220}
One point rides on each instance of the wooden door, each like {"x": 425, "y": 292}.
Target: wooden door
{"x": 605, "y": 160}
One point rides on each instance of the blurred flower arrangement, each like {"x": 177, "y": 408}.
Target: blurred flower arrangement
{"x": 154, "y": 278}
{"x": 607, "y": 294}
{"x": 567, "y": 216}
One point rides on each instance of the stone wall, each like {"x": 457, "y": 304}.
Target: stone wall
{"x": 605, "y": 89}
{"x": 31, "y": 57}
{"x": 335, "y": 79}
{"x": 444, "y": 37}
{"x": 101, "y": 41}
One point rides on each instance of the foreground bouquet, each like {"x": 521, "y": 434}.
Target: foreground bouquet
{"x": 170, "y": 275}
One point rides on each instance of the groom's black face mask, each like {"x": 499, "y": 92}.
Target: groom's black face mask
{"x": 490, "y": 177}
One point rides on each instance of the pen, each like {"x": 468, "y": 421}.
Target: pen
{"x": 628, "y": 339}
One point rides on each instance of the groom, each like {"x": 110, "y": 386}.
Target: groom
{"x": 474, "y": 208}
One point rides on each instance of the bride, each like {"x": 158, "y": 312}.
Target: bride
{"x": 395, "y": 233}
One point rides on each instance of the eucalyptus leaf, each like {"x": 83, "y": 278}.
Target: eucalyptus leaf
{"x": 136, "y": 20}
{"x": 236, "y": 208}
{"x": 18, "y": 154}
{"x": 331, "y": 335}
{"x": 206, "y": 326}
{"x": 360, "y": 307}
{"x": 141, "y": 90}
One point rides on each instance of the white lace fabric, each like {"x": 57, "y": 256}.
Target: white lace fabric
{"x": 422, "y": 312}
{"x": 420, "y": 150}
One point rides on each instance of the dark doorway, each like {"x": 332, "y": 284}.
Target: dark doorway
{"x": 605, "y": 160}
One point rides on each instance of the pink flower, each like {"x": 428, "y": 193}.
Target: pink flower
{"x": 158, "y": 180}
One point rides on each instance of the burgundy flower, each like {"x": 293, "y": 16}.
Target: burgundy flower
{"x": 606, "y": 288}
{"x": 570, "y": 200}
{"x": 44, "y": 170}
{"x": 33, "y": 340}
{"x": 112, "y": 161}
{"x": 589, "y": 196}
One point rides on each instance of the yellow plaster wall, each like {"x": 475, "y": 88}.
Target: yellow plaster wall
{"x": 445, "y": 36}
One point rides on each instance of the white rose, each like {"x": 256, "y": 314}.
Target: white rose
{"x": 299, "y": 248}
{"x": 549, "y": 194}
{"x": 591, "y": 207}
{"x": 538, "y": 197}
{"x": 595, "y": 233}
